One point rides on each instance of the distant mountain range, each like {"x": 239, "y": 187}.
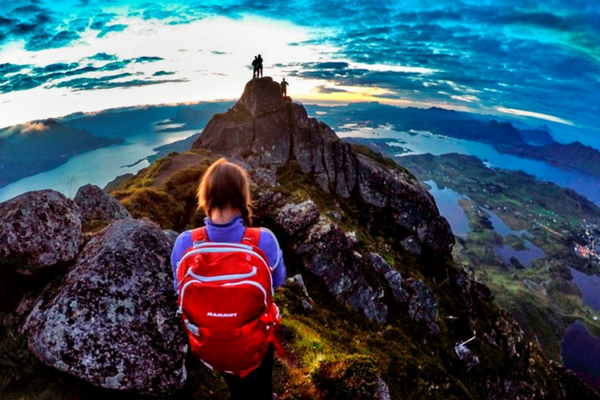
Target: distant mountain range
{"x": 38, "y": 146}
{"x": 504, "y": 136}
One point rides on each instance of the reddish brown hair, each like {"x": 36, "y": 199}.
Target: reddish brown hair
{"x": 225, "y": 184}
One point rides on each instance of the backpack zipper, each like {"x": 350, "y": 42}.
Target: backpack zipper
{"x": 224, "y": 249}
{"x": 180, "y": 309}
{"x": 221, "y": 277}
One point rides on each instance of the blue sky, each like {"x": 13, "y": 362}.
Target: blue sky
{"x": 529, "y": 59}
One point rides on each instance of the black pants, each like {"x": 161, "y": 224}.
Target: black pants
{"x": 256, "y": 385}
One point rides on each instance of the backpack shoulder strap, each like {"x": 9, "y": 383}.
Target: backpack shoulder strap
{"x": 199, "y": 235}
{"x": 251, "y": 236}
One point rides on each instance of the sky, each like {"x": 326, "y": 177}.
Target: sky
{"x": 532, "y": 60}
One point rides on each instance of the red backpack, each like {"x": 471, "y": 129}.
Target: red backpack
{"x": 226, "y": 302}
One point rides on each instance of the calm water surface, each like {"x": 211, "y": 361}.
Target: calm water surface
{"x": 97, "y": 167}
{"x": 579, "y": 349}
{"x": 447, "y": 202}
{"x": 506, "y": 252}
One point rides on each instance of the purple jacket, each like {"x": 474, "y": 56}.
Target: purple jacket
{"x": 232, "y": 232}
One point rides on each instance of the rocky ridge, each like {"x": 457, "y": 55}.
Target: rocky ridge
{"x": 264, "y": 130}
{"x": 375, "y": 309}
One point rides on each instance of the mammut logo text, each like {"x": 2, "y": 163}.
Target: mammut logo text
{"x": 221, "y": 315}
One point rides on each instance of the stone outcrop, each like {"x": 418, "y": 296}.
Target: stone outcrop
{"x": 95, "y": 205}
{"x": 38, "y": 230}
{"x": 112, "y": 322}
{"x": 422, "y": 304}
{"x": 265, "y": 131}
{"x": 327, "y": 252}
{"x": 393, "y": 277}
{"x": 293, "y": 217}
{"x": 255, "y": 129}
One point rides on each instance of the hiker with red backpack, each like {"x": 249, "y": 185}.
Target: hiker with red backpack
{"x": 225, "y": 274}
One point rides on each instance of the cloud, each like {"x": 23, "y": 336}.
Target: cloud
{"x": 112, "y": 28}
{"x": 163, "y": 73}
{"x": 40, "y": 28}
{"x": 111, "y": 82}
{"x": 24, "y": 77}
{"x": 57, "y": 67}
{"x": 331, "y": 65}
{"x": 147, "y": 59}
{"x": 470, "y": 49}
{"x": 8, "y": 68}
{"x": 103, "y": 57}
{"x": 100, "y": 20}
{"x": 328, "y": 89}
{"x": 523, "y": 55}
{"x": 29, "y": 9}
{"x": 48, "y": 41}
{"x": 21, "y": 82}
{"x": 114, "y": 66}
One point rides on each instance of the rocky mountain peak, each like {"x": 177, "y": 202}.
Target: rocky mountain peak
{"x": 262, "y": 96}
{"x": 267, "y": 132}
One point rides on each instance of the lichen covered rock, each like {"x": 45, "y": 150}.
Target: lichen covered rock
{"x": 422, "y": 305}
{"x": 327, "y": 253}
{"x": 293, "y": 217}
{"x": 393, "y": 277}
{"x": 112, "y": 322}
{"x": 95, "y": 205}
{"x": 39, "y": 229}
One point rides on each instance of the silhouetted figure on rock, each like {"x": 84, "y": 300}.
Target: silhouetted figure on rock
{"x": 255, "y": 67}
{"x": 259, "y": 66}
{"x": 284, "y": 86}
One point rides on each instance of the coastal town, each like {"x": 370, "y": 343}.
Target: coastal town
{"x": 591, "y": 248}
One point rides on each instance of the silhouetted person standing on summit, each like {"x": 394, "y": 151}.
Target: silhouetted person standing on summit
{"x": 255, "y": 67}
{"x": 259, "y": 66}
{"x": 284, "y": 85}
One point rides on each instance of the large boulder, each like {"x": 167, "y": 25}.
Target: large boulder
{"x": 413, "y": 207}
{"x": 95, "y": 205}
{"x": 39, "y": 229}
{"x": 112, "y": 322}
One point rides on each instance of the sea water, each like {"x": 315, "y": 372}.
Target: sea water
{"x": 97, "y": 167}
